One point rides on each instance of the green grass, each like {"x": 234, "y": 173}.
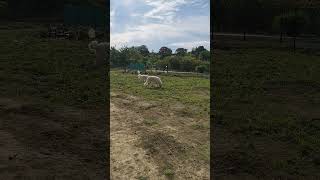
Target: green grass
{"x": 53, "y": 70}
{"x": 169, "y": 173}
{"x": 270, "y": 94}
{"x": 192, "y": 91}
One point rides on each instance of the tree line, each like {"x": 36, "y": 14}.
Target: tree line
{"x": 196, "y": 60}
{"x": 292, "y": 17}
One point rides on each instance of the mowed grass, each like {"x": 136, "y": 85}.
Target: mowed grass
{"x": 190, "y": 91}
{"x": 269, "y": 100}
{"x": 56, "y": 71}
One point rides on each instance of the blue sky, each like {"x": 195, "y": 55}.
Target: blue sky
{"x": 157, "y": 23}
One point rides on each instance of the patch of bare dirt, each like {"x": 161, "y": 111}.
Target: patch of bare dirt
{"x": 39, "y": 141}
{"x": 128, "y": 161}
{"x": 148, "y": 140}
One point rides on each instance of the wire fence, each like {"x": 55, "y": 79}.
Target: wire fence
{"x": 296, "y": 28}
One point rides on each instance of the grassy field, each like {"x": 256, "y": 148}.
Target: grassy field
{"x": 189, "y": 90}
{"x": 52, "y": 107}
{"x": 57, "y": 71}
{"x": 171, "y": 124}
{"x": 267, "y": 113}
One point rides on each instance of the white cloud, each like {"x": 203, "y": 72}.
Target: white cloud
{"x": 191, "y": 44}
{"x": 159, "y": 24}
{"x": 145, "y": 34}
{"x": 163, "y": 10}
{"x": 164, "y": 34}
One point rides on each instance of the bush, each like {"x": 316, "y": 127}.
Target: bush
{"x": 188, "y": 63}
{"x": 202, "y": 69}
{"x": 162, "y": 63}
{"x": 174, "y": 62}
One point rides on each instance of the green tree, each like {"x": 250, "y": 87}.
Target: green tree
{"x": 203, "y": 67}
{"x": 124, "y": 57}
{"x": 196, "y": 51}
{"x": 181, "y": 51}
{"x": 165, "y": 51}
{"x": 174, "y": 62}
{"x": 204, "y": 55}
{"x": 143, "y": 49}
{"x": 188, "y": 63}
{"x": 114, "y": 57}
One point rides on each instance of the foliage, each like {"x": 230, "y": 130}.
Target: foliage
{"x": 165, "y": 51}
{"x": 143, "y": 50}
{"x": 187, "y": 62}
{"x": 182, "y": 60}
{"x": 181, "y": 51}
{"x": 196, "y": 51}
{"x": 203, "y": 68}
{"x": 204, "y": 55}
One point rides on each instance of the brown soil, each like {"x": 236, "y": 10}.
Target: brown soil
{"x": 148, "y": 142}
{"x": 39, "y": 141}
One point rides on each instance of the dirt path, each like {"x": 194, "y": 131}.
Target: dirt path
{"x": 128, "y": 161}
{"x": 39, "y": 141}
{"x": 149, "y": 144}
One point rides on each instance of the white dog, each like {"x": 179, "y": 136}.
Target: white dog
{"x": 142, "y": 77}
{"x": 153, "y": 80}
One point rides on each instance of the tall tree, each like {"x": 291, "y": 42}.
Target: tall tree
{"x": 196, "y": 51}
{"x": 204, "y": 55}
{"x": 181, "y": 51}
{"x": 143, "y": 49}
{"x": 165, "y": 51}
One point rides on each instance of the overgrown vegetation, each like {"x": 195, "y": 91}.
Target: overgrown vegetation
{"x": 195, "y": 60}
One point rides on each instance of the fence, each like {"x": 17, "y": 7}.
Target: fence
{"x": 137, "y": 66}
{"x": 296, "y": 27}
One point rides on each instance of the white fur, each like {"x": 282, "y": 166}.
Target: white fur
{"x": 142, "y": 77}
{"x": 153, "y": 80}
